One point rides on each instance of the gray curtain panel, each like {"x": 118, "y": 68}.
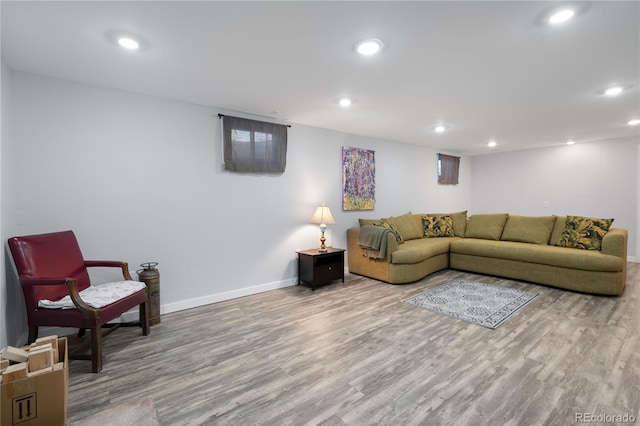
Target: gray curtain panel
{"x": 448, "y": 168}
{"x": 252, "y": 146}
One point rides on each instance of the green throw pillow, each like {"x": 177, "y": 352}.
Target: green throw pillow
{"x": 584, "y": 232}
{"x": 389, "y": 225}
{"x": 437, "y": 226}
{"x": 486, "y": 226}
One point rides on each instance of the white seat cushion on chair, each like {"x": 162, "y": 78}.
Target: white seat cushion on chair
{"x": 97, "y": 296}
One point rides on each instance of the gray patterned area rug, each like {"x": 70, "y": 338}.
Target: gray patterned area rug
{"x": 478, "y": 303}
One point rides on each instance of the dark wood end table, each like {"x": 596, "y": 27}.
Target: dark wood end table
{"x": 316, "y": 268}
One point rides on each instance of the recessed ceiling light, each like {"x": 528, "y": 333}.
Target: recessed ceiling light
{"x": 125, "y": 39}
{"x": 633, "y": 122}
{"x": 570, "y": 142}
{"x": 369, "y": 47}
{"x": 440, "y": 129}
{"x": 128, "y": 43}
{"x": 345, "y": 102}
{"x": 561, "y": 16}
{"x": 614, "y": 91}
{"x": 491, "y": 144}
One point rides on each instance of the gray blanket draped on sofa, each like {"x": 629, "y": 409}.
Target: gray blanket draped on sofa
{"x": 373, "y": 241}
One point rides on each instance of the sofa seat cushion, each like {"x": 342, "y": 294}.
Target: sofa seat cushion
{"x": 416, "y": 251}
{"x": 586, "y": 260}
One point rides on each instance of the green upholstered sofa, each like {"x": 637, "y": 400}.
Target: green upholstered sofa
{"x": 519, "y": 247}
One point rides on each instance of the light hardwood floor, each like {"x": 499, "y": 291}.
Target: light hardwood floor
{"x": 355, "y": 354}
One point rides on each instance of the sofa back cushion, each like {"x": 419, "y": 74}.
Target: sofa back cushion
{"x": 364, "y": 222}
{"x": 528, "y": 229}
{"x": 486, "y": 226}
{"x": 557, "y": 230}
{"x": 409, "y": 229}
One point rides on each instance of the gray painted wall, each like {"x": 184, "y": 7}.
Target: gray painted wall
{"x": 597, "y": 179}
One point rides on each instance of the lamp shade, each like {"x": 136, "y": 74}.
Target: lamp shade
{"x": 322, "y": 215}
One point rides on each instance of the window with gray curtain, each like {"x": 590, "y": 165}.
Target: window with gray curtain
{"x": 448, "y": 168}
{"x": 252, "y": 146}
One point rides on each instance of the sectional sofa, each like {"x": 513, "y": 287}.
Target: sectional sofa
{"x": 569, "y": 252}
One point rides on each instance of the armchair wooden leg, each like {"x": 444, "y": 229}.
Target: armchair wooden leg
{"x": 33, "y": 334}
{"x": 81, "y": 332}
{"x": 96, "y": 349}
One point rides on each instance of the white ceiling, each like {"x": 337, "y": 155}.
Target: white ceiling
{"x": 487, "y": 70}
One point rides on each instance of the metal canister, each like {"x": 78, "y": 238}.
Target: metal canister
{"x": 151, "y": 277}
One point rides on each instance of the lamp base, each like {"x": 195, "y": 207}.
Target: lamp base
{"x": 322, "y": 248}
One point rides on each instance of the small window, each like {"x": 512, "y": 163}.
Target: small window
{"x": 448, "y": 168}
{"x": 252, "y": 146}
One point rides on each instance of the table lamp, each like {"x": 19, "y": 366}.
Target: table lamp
{"x": 322, "y": 216}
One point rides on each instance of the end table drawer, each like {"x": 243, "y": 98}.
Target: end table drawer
{"x": 329, "y": 273}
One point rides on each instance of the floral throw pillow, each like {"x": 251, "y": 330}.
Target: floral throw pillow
{"x": 584, "y": 232}
{"x": 388, "y": 225}
{"x": 437, "y": 226}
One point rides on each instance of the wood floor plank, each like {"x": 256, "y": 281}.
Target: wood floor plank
{"x": 353, "y": 353}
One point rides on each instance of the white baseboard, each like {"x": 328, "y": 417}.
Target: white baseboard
{"x": 633, "y": 259}
{"x": 214, "y": 298}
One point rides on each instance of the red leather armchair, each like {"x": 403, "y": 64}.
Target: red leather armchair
{"x": 51, "y": 266}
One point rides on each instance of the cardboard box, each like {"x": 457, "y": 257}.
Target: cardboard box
{"x": 38, "y": 400}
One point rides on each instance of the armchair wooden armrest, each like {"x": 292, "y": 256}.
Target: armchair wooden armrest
{"x": 110, "y": 263}
{"x": 87, "y": 311}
